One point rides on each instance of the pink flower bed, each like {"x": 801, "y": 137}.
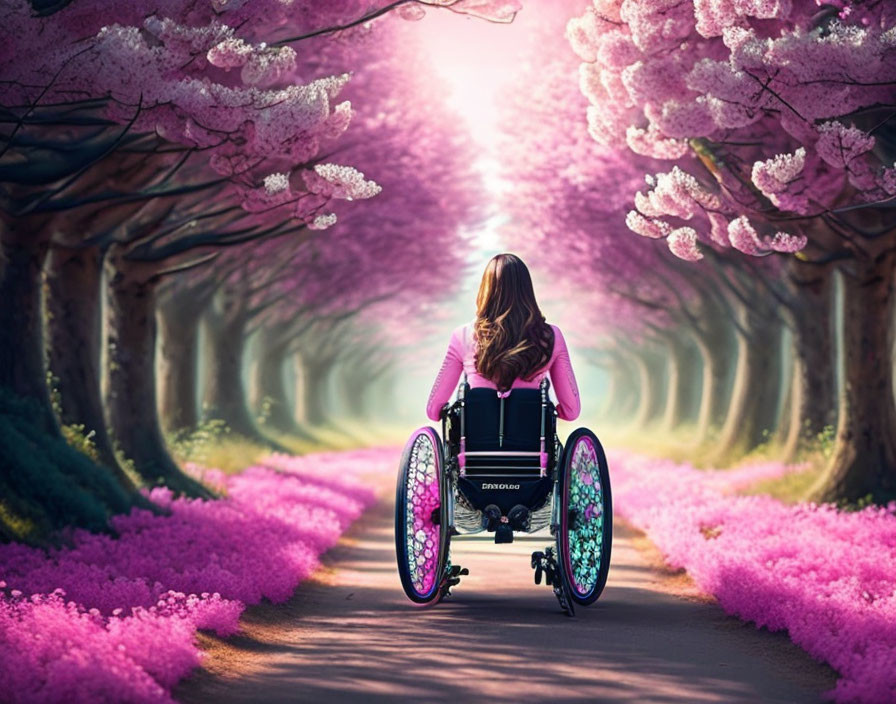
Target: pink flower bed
{"x": 827, "y": 577}
{"x": 115, "y": 619}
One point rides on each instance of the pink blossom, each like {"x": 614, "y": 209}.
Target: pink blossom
{"x": 275, "y": 183}
{"x": 268, "y": 65}
{"x": 839, "y": 145}
{"x": 322, "y": 222}
{"x": 691, "y": 117}
{"x": 774, "y": 175}
{"x": 230, "y": 53}
{"x": 582, "y": 34}
{"x": 676, "y": 193}
{"x": 657, "y": 24}
{"x": 742, "y": 80}
{"x": 887, "y": 180}
{"x": 683, "y": 244}
{"x": 650, "y": 142}
{"x": 837, "y": 603}
{"x": 788, "y": 243}
{"x": 713, "y": 16}
{"x": 274, "y": 191}
{"x": 115, "y": 619}
{"x": 412, "y": 13}
{"x": 743, "y": 236}
{"x": 718, "y": 229}
{"x": 337, "y": 181}
{"x": 646, "y": 227}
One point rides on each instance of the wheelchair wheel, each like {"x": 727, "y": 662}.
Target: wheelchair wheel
{"x": 586, "y": 517}
{"x": 421, "y": 541}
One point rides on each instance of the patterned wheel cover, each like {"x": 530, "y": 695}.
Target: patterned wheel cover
{"x": 421, "y": 533}
{"x": 586, "y": 529}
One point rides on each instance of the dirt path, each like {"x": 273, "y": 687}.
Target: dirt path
{"x": 349, "y": 635}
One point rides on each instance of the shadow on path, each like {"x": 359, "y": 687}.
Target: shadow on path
{"x": 350, "y": 635}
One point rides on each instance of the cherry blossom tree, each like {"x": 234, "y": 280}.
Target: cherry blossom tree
{"x": 788, "y": 107}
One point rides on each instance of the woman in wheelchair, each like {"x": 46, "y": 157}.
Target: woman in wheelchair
{"x": 499, "y": 465}
{"x": 508, "y": 346}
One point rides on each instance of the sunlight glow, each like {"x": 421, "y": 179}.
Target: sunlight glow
{"x": 476, "y": 60}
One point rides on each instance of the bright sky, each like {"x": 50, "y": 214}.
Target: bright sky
{"x": 476, "y": 60}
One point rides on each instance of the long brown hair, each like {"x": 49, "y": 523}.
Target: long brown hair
{"x": 513, "y": 339}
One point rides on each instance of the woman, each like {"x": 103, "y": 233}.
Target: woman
{"x": 509, "y": 345}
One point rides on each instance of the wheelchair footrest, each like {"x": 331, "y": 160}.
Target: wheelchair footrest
{"x": 453, "y": 573}
{"x": 545, "y": 565}
{"x": 504, "y": 534}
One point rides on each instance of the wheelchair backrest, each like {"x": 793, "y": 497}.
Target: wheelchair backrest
{"x": 515, "y": 427}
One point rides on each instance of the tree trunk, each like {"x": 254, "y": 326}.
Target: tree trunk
{"x": 628, "y": 401}
{"x": 864, "y": 457}
{"x": 22, "y": 368}
{"x": 621, "y": 398}
{"x": 315, "y": 388}
{"x": 367, "y": 403}
{"x": 754, "y": 398}
{"x": 715, "y": 351}
{"x": 224, "y": 395}
{"x": 349, "y": 384}
{"x": 268, "y": 391}
{"x": 131, "y": 387}
{"x": 651, "y": 382}
{"x": 784, "y": 431}
{"x": 178, "y": 322}
{"x": 682, "y": 374}
{"x": 299, "y": 390}
{"x": 74, "y": 331}
{"x": 614, "y": 392}
{"x": 812, "y": 396}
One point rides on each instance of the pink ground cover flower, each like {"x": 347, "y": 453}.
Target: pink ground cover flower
{"x": 826, "y": 576}
{"x": 115, "y": 619}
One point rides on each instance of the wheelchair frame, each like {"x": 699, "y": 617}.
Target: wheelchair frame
{"x": 578, "y": 503}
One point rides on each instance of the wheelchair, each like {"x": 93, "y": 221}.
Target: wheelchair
{"x": 500, "y": 467}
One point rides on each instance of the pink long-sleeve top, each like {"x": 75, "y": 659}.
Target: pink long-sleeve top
{"x": 459, "y": 358}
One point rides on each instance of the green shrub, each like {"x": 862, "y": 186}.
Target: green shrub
{"x": 193, "y": 445}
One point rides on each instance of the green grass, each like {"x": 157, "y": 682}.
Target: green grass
{"x": 679, "y": 446}
{"x": 791, "y": 488}
{"x": 212, "y": 444}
